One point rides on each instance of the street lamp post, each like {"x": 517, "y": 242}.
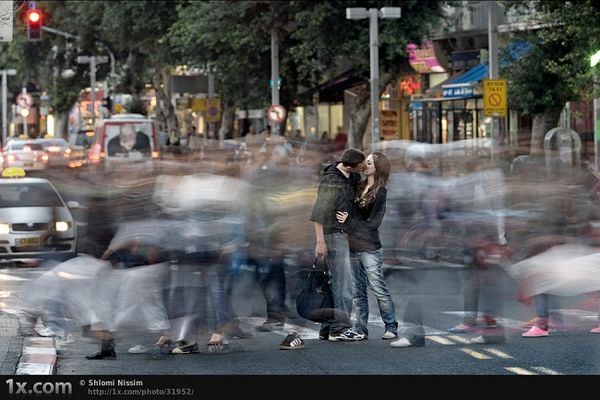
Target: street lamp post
{"x": 5, "y": 73}
{"x": 92, "y": 60}
{"x": 374, "y": 14}
{"x": 593, "y": 61}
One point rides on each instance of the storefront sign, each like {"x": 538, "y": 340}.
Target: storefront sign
{"x": 458, "y": 90}
{"x": 423, "y": 58}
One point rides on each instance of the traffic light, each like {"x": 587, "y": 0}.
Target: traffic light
{"x": 34, "y": 24}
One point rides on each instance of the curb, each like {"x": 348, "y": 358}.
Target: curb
{"x": 38, "y": 357}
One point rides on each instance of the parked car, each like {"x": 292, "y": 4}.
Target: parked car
{"x": 25, "y": 154}
{"x": 35, "y": 222}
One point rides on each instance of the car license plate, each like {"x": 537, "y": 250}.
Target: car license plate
{"x": 35, "y": 241}
{"x": 28, "y": 165}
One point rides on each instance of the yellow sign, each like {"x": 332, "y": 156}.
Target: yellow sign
{"x": 213, "y": 110}
{"x": 119, "y": 109}
{"x": 198, "y": 104}
{"x": 13, "y": 172}
{"x": 494, "y": 97}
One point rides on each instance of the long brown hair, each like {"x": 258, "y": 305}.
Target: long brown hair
{"x": 382, "y": 173}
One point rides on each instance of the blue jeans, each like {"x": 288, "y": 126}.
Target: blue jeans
{"x": 367, "y": 267}
{"x": 338, "y": 262}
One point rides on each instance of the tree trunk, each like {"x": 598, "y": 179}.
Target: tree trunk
{"x": 165, "y": 113}
{"x": 227, "y": 119}
{"x": 541, "y": 124}
{"x": 62, "y": 119}
{"x": 360, "y": 113}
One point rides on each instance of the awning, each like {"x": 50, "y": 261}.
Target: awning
{"x": 332, "y": 91}
{"x": 460, "y": 85}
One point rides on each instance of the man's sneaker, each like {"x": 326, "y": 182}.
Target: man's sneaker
{"x": 487, "y": 322}
{"x": 292, "y": 342}
{"x": 350, "y": 335}
{"x": 45, "y": 332}
{"x": 270, "y": 326}
{"x": 536, "y": 332}
{"x": 182, "y": 347}
{"x": 137, "y": 349}
{"x": 388, "y": 335}
{"x": 595, "y": 330}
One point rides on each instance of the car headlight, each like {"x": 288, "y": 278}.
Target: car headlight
{"x": 62, "y": 226}
{"x": 4, "y": 228}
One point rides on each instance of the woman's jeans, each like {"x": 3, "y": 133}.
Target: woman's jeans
{"x": 367, "y": 267}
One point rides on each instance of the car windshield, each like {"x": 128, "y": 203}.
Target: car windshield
{"x": 47, "y": 143}
{"x": 28, "y": 195}
{"x": 23, "y": 145}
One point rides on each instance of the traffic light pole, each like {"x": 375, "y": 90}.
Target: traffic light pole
{"x": 4, "y": 73}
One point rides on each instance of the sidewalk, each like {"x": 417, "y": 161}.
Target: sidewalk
{"x": 24, "y": 355}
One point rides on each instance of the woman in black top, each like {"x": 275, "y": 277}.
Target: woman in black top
{"x": 366, "y": 254}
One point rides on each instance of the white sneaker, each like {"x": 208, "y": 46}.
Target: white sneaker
{"x": 389, "y": 335}
{"x": 137, "y": 349}
{"x": 402, "y": 342}
{"x": 45, "y": 332}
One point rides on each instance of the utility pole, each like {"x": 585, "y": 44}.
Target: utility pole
{"x": 493, "y": 70}
{"x": 274, "y": 76}
{"x": 5, "y": 73}
{"x": 92, "y": 60}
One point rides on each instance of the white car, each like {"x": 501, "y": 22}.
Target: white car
{"x": 25, "y": 154}
{"x": 35, "y": 222}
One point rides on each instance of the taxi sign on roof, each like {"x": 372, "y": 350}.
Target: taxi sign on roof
{"x": 13, "y": 172}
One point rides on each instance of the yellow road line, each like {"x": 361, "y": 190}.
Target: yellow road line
{"x": 440, "y": 340}
{"x": 475, "y": 354}
{"x": 520, "y": 371}
{"x": 459, "y": 339}
{"x": 498, "y": 353}
{"x": 546, "y": 371}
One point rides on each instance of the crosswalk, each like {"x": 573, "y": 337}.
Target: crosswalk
{"x": 9, "y": 305}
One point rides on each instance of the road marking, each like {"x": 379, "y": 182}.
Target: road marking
{"x": 460, "y": 339}
{"x": 498, "y": 353}
{"x": 440, "y": 340}
{"x": 4, "y": 277}
{"x": 475, "y": 354}
{"x": 520, "y": 371}
{"x": 547, "y": 371}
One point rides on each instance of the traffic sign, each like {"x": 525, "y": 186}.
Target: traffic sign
{"x": 24, "y": 100}
{"x": 276, "y": 113}
{"x": 213, "y": 110}
{"x": 494, "y": 97}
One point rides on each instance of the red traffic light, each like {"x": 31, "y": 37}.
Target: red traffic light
{"x": 34, "y": 16}
{"x": 34, "y": 24}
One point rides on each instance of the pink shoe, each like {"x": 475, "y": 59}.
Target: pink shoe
{"x": 535, "y": 332}
{"x": 596, "y": 330}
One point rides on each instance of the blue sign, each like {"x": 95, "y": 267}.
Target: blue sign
{"x": 415, "y": 105}
{"x": 457, "y": 91}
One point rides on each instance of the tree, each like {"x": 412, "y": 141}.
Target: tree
{"x": 556, "y": 69}
{"x": 314, "y": 37}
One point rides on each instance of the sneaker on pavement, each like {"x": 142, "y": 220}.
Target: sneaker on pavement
{"x": 292, "y": 342}
{"x": 350, "y": 335}
{"x": 237, "y": 332}
{"x": 389, "y": 335}
{"x": 535, "y": 332}
{"x": 45, "y": 332}
{"x": 463, "y": 328}
{"x": 182, "y": 347}
{"x": 595, "y": 330}
{"x": 137, "y": 349}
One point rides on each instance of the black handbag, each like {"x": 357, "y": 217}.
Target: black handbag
{"x": 315, "y": 299}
